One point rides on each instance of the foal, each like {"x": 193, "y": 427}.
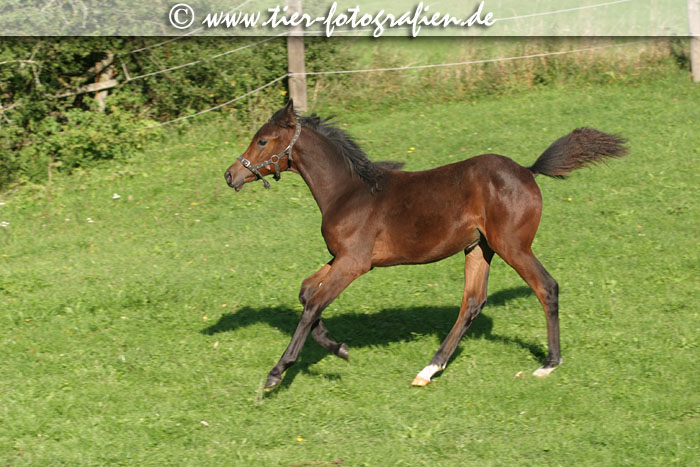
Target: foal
{"x": 376, "y": 215}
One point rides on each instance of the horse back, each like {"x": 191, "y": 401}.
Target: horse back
{"x": 428, "y": 215}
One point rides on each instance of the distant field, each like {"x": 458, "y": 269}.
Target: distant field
{"x": 588, "y": 61}
{"x": 144, "y": 303}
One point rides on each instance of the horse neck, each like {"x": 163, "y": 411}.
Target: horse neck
{"x": 323, "y": 169}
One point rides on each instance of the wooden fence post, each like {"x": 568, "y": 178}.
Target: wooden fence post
{"x": 105, "y": 73}
{"x": 295, "y": 59}
{"x": 694, "y": 22}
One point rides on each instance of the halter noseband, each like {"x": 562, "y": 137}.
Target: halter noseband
{"x": 274, "y": 160}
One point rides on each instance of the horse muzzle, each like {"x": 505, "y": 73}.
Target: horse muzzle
{"x": 237, "y": 183}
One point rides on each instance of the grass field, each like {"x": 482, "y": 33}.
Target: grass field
{"x": 139, "y": 329}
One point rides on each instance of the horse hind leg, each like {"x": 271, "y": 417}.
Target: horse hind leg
{"x": 547, "y": 291}
{"x": 476, "y": 273}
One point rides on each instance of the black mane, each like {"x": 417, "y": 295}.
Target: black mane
{"x": 357, "y": 161}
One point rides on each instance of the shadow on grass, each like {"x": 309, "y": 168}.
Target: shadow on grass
{"x": 375, "y": 329}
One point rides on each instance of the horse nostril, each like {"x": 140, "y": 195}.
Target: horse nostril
{"x": 228, "y": 177}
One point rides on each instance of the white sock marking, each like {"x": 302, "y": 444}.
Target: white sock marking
{"x": 542, "y": 371}
{"x": 429, "y": 371}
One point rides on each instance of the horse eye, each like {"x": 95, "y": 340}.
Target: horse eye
{"x": 262, "y": 142}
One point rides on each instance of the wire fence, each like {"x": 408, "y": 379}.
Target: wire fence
{"x": 224, "y": 104}
{"x": 398, "y": 68}
{"x": 470, "y": 62}
{"x": 566, "y": 10}
{"x": 128, "y": 78}
{"x": 208, "y": 59}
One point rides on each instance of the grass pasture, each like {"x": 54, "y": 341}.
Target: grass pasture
{"x": 139, "y": 329}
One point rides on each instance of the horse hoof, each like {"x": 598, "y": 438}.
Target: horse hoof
{"x": 542, "y": 371}
{"x": 343, "y": 352}
{"x": 420, "y": 381}
{"x": 272, "y": 381}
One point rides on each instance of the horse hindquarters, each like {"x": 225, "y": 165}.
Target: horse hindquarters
{"x": 513, "y": 210}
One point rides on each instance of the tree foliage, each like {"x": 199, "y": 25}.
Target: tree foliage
{"x": 46, "y": 125}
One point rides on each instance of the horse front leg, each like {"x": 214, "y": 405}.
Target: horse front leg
{"x": 313, "y": 282}
{"x": 341, "y": 273}
{"x": 318, "y": 330}
{"x": 324, "y": 339}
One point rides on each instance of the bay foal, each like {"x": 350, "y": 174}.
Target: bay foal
{"x": 376, "y": 215}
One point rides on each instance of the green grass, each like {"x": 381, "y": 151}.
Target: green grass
{"x": 122, "y": 335}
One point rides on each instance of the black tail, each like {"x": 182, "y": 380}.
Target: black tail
{"x": 579, "y": 148}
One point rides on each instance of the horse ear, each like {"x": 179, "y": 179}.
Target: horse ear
{"x": 289, "y": 117}
{"x": 285, "y": 116}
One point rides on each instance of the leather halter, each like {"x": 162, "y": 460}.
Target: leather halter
{"x": 274, "y": 160}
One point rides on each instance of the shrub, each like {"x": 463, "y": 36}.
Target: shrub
{"x": 41, "y": 132}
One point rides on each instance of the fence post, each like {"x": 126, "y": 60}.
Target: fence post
{"x": 694, "y": 22}
{"x": 295, "y": 59}
{"x": 105, "y": 72}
